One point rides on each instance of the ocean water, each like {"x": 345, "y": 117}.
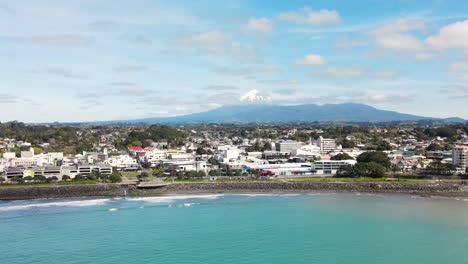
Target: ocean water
{"x": 307, "y": 228}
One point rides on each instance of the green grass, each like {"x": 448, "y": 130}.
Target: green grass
{"x": 330, "y": 179}
{"x": 187, "y": 180}
{"x": 67, "y": 183}
{"x": 130, "y": 174}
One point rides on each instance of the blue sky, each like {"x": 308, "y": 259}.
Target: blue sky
{"x": 85, "y": 60}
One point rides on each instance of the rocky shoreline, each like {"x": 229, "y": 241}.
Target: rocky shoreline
{"x": 114, "y": 190}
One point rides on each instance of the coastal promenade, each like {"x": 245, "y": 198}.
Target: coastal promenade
{"x": 455, "y": 189}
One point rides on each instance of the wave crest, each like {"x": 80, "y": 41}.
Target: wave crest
{"x": 80, "y": 203}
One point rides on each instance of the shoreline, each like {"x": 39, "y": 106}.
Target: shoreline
{"x": 442, "y": 189}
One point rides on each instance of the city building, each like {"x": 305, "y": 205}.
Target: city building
{"x": 309, "y": 150}
{"x": 326, "y": 144}
{"x": 330, "y": 167}
{"x": 460, "y": 156}
{"x": 288, "y": 146}
{"x": 122, "y": 161}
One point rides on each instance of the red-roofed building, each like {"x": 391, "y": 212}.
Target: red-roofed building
{"x": 136, "y": 151}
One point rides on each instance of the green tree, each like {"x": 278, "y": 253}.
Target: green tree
{"x": 136, "y": 143}
{"x": 375, "y": 170}
{"x": 347, "y": 143}
{"x": 115, "y": 177}
{"x": 158, "y": 172}
{"x": 377, "y": 157}
{"x": 434, "y": 147}
{"x": 94, "y": 175}
{"x": 346, "y": 171}
{"x": 52, "y": 179}
{"x": 66, "y": 178}
{"x": 437, "y": 167}
{"x": 201, "y": 151}
{"x": 40, "y": 178}
{"x": 17, "y": 179}
{"x": 342, "y": 156}
{"x": 79, "y": 177}
{"x": 143, "y": 176}
{"x": 28, "y": 178}
{"x": 37, "y": 151}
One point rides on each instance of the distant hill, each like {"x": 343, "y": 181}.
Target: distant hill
{"x": 264, "y": 113}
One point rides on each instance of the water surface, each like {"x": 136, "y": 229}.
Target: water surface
{"x": 306, "y": 228}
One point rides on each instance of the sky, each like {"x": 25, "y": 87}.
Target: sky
{"x": 95, "y": 60}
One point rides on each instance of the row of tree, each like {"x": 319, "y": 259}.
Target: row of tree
{"x": 369, "y": 164}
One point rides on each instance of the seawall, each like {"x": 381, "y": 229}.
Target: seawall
{"x": 114, "y": 190}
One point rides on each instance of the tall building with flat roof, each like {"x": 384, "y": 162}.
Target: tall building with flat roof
{"x": 288, "y": 146}
{"x": 460, "y": 156}
{"x": 326, "y": 144}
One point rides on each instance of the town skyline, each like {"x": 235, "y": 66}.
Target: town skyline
{"x": 95, "y": 61}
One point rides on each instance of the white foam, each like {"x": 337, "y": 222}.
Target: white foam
{"x": 169, "y": 199}
{"x": 190, "y": 204}
{"x": 80, "y": 203}
{"x": 257, "y": 194}
{"x": 113, "y": 209}
{"x": 265, "y": 194}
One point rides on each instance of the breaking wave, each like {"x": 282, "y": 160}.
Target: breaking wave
{"x": 169, "y": 199}
{"x": 80, "y": 203}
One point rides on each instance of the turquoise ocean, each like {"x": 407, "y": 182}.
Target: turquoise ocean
{"x": 272, "y": 228}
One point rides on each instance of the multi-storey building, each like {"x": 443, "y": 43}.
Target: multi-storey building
{"x": 288, "y": 146}
{"x": 460, "y": 156}
{"x": 326, "y": 144}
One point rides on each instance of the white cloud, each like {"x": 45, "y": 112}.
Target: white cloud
{"x": 130, "y": 68}
{"x": 280, "y": 82}
{"x": 253, "y": 96}
{"x": 134, "y": 92}
{"x": 342, "y": 73}
{"x": 348, "y": 43}
{"x": 249, "y": 71}
{"x": 259, "y": 25}
{"x": 424, "y": 56}
{"x": 219, "y": 43}
{"x": 459, "y": 67}
{"x": 452, "y": 36}
{"x": 242, "y": 52}
{"x": 220, "y": 88}
{"x": 464, "y": 78}
{"x": 311, "y": 59}
{"x": 63, "y": 72}
{"x": 386, "y": 74}
{"x": 396, "y": 36}
{"x": 308, "y": 16}
{"x": 212, "y": 41}
{"x": 268, "y": 69}
{"x": 63, "y": 40}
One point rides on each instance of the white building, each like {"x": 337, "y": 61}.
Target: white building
{"x": 181, "y": 162}
{"x": 460, "y": 156}
{"x": 122, "y": 161}
{"x": 326, "y": 144}
{"x": 154, "y": 156}
{"x": 307, "y": 151}
{"x": 285, "y": 169}
{"x": 330, "y": 167}
{"x": 288, "y": 146}
{"x": 51, "y": 157}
